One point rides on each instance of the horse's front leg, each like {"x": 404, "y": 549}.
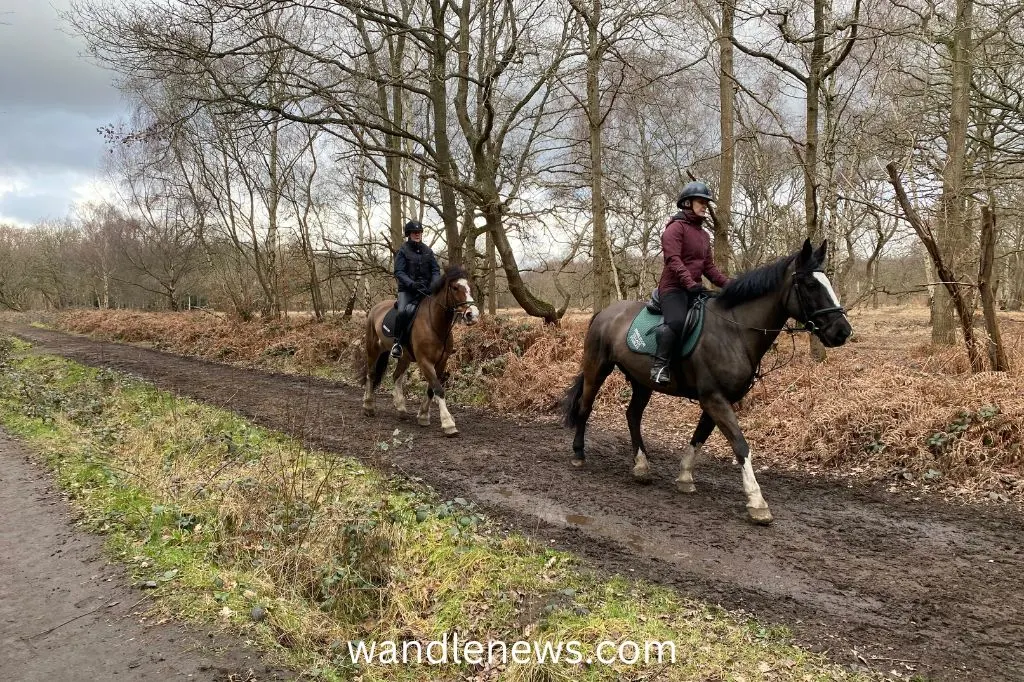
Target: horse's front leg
{"x": 725, "y": 419}
{"x": 435, "y": 392}
{"x": 705, "y": 425}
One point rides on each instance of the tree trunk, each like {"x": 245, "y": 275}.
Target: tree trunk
{"x": 492, "y": 276}
{"x": 439, "y": 107}
{"x": 813, "y": 82}
{"x": 947, "y": 276}
{"x": 595, "y": 117}
{"x": 727, "y": 172}
{"x": 532, "y": 305}
{"x": 953, "y": 240}
{"x": 996, "y": 352}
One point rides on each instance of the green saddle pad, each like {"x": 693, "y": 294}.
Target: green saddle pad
{"x": 640, "y": 336}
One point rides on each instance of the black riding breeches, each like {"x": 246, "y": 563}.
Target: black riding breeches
{"x": 407, "y": 301}
{"x": 675, "y": 304}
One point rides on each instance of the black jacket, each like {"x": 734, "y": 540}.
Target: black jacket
{"x": 416, "y": 267}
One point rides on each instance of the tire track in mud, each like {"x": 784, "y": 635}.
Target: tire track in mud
{"x": 859, "y": 573}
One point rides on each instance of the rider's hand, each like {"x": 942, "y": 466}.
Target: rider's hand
{"x": 696, "y": 290}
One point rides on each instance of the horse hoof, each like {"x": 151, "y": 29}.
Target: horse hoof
{"x": 761, "y": 517}
{"x": 451, "y": 432}
{"x": 578, "y": 462}
{"x": 686, "y": 487}
{"x": 423, "y": 422}
{"x": 642, "y": 475}
{"x": 368, "y": 412}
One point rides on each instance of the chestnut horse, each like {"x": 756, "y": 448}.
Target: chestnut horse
{"x": 740, "y": 326}
{"x": 429, "y": 343}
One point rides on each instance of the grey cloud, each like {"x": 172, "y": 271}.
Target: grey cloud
{"x": 49, "y": 141}
{"x": 43, "y": 67}
{"x": 52, "y": 100}
{"x": 32, "y": 208}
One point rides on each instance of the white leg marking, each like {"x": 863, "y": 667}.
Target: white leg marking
{"x": 447, "y": 423}
{"x": 641, "y": 467}
{"x": 423, "y": 416}
{"x": 399, "y": 393}
{"x": 756, "y": 506}
{"x": 685, "y": 481}
{"x": 368, "y": 395}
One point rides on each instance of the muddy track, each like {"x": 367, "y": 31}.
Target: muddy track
{"x": 866, "y": 576}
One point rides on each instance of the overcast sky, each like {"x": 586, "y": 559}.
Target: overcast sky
{"x": 52, "y": 100}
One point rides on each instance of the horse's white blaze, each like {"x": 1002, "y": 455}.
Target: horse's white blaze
{"x": 821, "y": 277}
{"x": 750, "y": 486}
{"x": 472, "y": 313}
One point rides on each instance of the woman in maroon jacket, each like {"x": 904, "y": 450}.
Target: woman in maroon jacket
{"x": 686, "y": 247}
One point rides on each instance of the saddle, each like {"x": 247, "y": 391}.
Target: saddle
{"x": 390, "y": 322}
{"x": 641, "y": 338}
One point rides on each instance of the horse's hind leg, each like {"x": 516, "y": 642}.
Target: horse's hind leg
{"x": 725, "y": 419}
{"x": 400, "y": 376}
{"x": 705, "y": 425}
{"x": 594, "y": 376}
{"x": 368, "y": 407}
{"x": 634, "y": 414}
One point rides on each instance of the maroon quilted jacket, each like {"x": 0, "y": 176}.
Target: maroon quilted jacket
{"x": 688, "y": 254}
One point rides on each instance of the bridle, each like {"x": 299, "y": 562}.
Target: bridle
{"x": 810, "y": 324}
{"x": 458, "y": 309}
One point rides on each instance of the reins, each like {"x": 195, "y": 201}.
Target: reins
{"x": 448, "y": 308}
{"x": 809, "y": 327}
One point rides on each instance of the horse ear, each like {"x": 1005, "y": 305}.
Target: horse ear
{"x": 819, "y": 254}
{"x": 806, "y": 252}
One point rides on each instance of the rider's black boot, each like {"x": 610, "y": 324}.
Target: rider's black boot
{"x": 663, "y": 356}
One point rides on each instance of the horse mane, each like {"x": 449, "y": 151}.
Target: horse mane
{"x": 756, "y": 283}
{"x": 451, "y": 273}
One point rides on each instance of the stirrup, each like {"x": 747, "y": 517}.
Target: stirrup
{"x": 660, "y": 375}
{"x": 396, "y": 350}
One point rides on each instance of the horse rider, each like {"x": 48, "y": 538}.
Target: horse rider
{"x": 686, "y": 248}
{"x": 417, "y": 272}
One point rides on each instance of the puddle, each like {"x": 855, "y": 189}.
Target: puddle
{"x": 609, "y": 527}
{"x": 731, "y": 564}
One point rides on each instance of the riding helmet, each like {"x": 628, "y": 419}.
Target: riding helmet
{"x": 694, "y": 190}
{"x": 413, "y": 226}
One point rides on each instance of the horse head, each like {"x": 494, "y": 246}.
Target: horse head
{"x": 455, "y": 293}
{"x": 812, "y": 300}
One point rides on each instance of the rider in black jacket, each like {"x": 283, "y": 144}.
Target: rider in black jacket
{"x": 417, "y": 271}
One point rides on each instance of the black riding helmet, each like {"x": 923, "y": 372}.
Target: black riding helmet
{"x": 694, "y": 190}
{"x": 413, "y": 226}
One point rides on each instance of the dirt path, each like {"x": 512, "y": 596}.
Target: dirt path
{"x": 869, "y": 577}
{"x": 66, "y": 614}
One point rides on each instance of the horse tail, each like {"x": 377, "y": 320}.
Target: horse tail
{"x": 571, "y": 403}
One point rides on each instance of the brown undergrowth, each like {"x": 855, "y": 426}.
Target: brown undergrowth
{"x": 886, "y": 406}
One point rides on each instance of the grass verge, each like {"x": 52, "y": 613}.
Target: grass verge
{"x": 307, "y": 554}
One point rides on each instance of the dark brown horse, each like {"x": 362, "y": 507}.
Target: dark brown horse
{"x": 740, "y": 326}
{"x": 429, "y": 343}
